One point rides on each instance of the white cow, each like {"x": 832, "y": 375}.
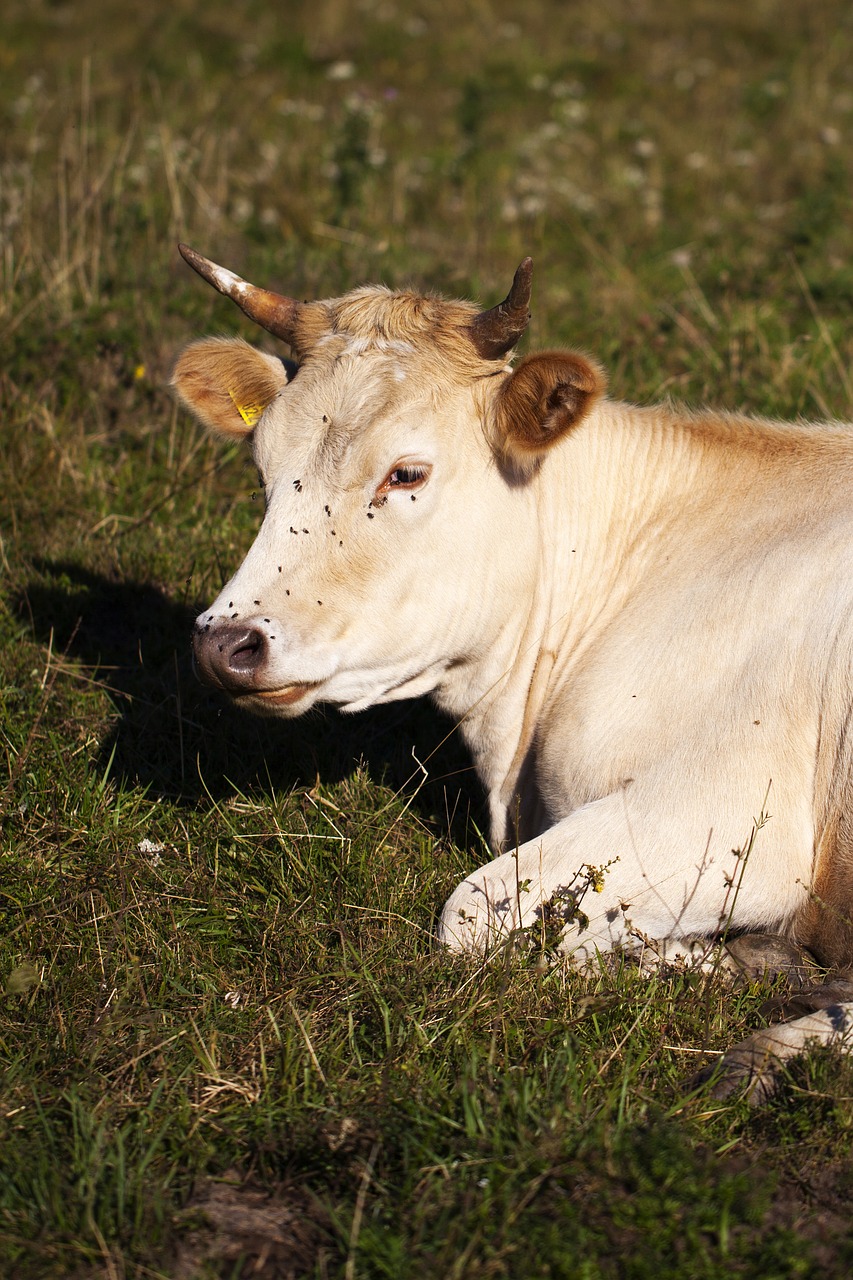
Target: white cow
{"x": 642, "y": 618}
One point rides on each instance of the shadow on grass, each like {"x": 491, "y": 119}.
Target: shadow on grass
{"x": 182, "y": 741}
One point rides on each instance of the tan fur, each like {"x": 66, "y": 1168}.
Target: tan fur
{"x": 825, "y": 926}
{"x": 217, "y": 377}
{"x": 376, "y": 316}
{"x": 547, "y": 395}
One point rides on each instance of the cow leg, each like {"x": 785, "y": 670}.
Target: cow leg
{"x": 586, "y": 886}
{"x": 753, "y": 1066}
{"x": 764, "y": 957}
{"x": 746, "y": 958}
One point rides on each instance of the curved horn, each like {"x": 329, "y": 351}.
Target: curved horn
{"x": 272, "y": 311}
{"x": 496, "y": 331}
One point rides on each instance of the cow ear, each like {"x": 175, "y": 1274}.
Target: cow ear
{"x": 543, "y": 399}
{"x": 227, "y": 384}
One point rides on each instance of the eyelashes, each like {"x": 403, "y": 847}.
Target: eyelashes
{"x": 406, "y": 476}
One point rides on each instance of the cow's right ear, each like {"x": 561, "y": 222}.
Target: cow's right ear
{"x": 543, "y": 399}
{"x": 227, "y": 384}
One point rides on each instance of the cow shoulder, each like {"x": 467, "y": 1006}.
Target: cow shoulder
{"x": 228, "y": 384}
{"x": 543, "y": 399}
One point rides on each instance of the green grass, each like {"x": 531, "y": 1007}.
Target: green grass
{"x": 248, "y": 1024}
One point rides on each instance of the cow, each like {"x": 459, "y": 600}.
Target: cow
{"x": 640, "y": 618}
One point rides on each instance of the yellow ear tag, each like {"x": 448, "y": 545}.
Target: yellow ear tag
{"x": 248, "y": 412}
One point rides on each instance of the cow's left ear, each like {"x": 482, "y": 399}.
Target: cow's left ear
{"x": 543, "y": 399}
{"x": 227, "y": 384}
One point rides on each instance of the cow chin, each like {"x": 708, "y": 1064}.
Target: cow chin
{"x": 289, "y": 701}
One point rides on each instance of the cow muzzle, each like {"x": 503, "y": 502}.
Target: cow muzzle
{"x": 235, "y": 658}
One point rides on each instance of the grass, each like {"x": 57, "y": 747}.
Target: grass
{"x": 229, "y": 1044}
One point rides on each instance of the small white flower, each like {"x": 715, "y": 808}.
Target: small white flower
{"x": 298, "y": 107}
{"x": 153, "y": 850}
{"x": 533, "y": 204}
{"x": 574, "y": 112}
{"x": 633, "y": 176}
{"x": 583, "y": 202}
{"x": 242, "y": 209}
{"x": 341, "y": 71}
{"x": 567, "y": 89}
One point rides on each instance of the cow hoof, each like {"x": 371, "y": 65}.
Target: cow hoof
{"x": 753, "y": 1067}
{"x": 757, "y": 957}
{"x": 750, "y": 1069}
{"x": 810, "y": 999}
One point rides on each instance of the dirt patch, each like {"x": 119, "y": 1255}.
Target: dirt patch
{"x": 816, "y": 1206}
{"x": 274, "y": 1235}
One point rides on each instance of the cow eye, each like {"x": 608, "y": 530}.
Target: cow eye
{"x": 404, "y": 477}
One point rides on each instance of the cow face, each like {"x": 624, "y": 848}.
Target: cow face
{"x": 395, "y": 542}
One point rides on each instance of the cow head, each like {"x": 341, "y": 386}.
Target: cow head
{"x": 396, "y": 453}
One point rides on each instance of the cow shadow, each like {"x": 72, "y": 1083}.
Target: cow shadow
{"x": 183, "y": 742}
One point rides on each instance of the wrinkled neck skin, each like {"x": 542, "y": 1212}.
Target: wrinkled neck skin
{"x": 576, "y": 560}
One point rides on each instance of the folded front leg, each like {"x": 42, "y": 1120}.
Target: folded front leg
{"x": 602, "y": 879}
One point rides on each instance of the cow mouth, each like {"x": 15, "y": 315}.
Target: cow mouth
{"x": 285, "y": 696}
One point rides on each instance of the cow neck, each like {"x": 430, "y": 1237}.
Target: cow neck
{"x": 622, "y": 483}
{"x": 547, "y": 625}
{"x": 525, "y": 685}
{"x": 603, "y": 491}
{"x": 495, "y": 697}
{"x": 537, "y": 691}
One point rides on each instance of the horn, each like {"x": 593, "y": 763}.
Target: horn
{"x": 272, "y": 311}
{"x": 496, "y": 331}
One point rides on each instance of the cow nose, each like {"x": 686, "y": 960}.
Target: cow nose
{"x": 230, "y": 657}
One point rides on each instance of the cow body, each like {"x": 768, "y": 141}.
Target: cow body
{"x": 695, "y": 708}
{"x": 640, "y": 618}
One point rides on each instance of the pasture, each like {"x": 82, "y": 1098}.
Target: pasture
{"x": 229, "y": 1045}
